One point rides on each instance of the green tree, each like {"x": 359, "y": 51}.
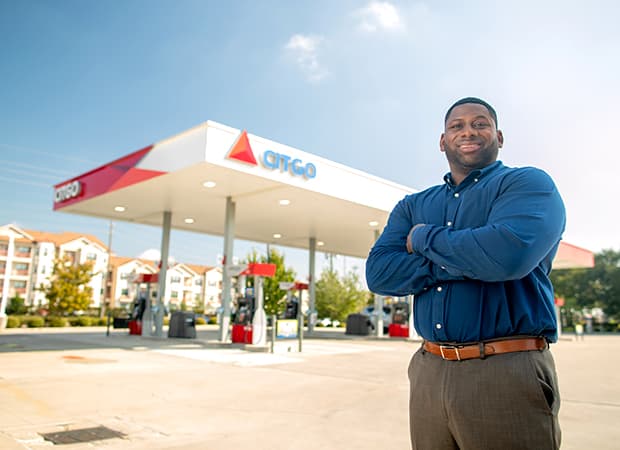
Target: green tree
{"x": 595, "y": 287}
{"x": 68, "y": 290}
{"x": 274, "y": 297}
{"x": 337, "y": 298}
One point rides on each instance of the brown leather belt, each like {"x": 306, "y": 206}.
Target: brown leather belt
{"x": 459, "y": 352}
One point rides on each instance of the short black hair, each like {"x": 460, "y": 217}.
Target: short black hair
{"x": 476, "y": 100}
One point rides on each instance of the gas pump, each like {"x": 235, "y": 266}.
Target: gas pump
{"x": 400, "y": 320}
{"x": 250, "y": 325}
{"x": 288, "y": 327}
{"x": 141, "y": 322}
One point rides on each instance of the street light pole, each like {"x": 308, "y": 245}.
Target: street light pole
{"x": 107, "y": 289}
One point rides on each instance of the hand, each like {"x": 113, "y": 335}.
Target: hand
{"x": 409, "y": 244}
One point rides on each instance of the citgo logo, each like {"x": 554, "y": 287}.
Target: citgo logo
{"x": 67, "y": 191}
{"x": 242, "y": 151}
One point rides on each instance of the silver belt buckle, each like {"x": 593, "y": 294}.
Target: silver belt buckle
{"x": 450, "y": 347}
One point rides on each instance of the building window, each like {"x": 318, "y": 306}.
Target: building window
{"x": 125, "y": 275}
{"x": 23, "y": 249}
{"x": 42, "y": 270}
{"x": 19, "y": 284}
{"x": 174, "y": 294}
{"x": 45, "y": 251}
{"x": 198, "y": 282}
{"x": 175, "y": 279}
{"x": 21, "y": 267}
{"x": 125, "y": 291}
{"x": 91, "y": 256}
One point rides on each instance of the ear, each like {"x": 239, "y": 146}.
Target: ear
{"x": 442, "y": 143}
{"x": 500, "y": 138}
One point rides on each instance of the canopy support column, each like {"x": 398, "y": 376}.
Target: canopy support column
{"x": 229, "y": 235}
{"x": 161, "y": 285}
{"x": 311, "y": 286}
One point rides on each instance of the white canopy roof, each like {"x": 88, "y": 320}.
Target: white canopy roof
{"x": 339, "y": 206}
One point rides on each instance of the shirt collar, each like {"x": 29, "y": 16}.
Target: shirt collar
{"x": 475, "y": 174}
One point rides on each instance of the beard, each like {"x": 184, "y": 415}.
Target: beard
{"x": 468, "y": 161}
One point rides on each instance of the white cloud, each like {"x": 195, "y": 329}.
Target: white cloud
{"x": 304, "y": 49}
{"x": 152, "y": 254}
{"x": 377, "y": 16}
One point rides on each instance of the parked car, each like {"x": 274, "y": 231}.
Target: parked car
{"x": 372, "y": 315}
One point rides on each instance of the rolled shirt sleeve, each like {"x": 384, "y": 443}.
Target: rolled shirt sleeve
{"x": 390, "y": 269}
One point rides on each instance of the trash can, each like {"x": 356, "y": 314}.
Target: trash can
{"x": 358, "y": 324}
{"x": 120, "y": 322}
{"x": 182, "y": 325}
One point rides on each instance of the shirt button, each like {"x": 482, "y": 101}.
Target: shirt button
{"x": 456, "y": 195}
{"x": 439, "y": 289}
{"x": 438, "y": 326}
{"x": 475, "y": 180}
{"x": 443, "y": 267}
{"x": 449, "y": 223}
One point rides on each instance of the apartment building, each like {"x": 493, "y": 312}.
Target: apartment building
{"x": 27, "y": 260}
{"x": 122, "y": 288}
{"x": 190, "y": 284}
{"x": 207, "y": 286}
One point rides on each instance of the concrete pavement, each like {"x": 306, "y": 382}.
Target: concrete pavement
{"x": 340, "y": 392}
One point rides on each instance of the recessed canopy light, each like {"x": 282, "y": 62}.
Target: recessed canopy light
{"x": 209, "y": 184}
{"x": 285, "y": 202}
{"x": 119, "y": 208}
{"x": 373, "y": 223}
{"x": 277, "y": 236}
{"x": 189, "y": 220}
{"x": 320, "y": 243}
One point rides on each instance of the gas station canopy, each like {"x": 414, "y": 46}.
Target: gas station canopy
{"x": 282, "y": 195}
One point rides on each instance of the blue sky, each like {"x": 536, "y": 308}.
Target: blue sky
{"x": 362, "y": 83}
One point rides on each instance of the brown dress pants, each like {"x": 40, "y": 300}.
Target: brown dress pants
{"x": 504, "y": 402}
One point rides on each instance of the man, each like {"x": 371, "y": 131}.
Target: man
{"x": 476, "y": 252}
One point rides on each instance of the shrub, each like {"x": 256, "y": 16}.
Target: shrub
{"x": 212, "y": 320}
{"x": 16, "y": 306}
{"x": 13, "y": 322}
{"x": 200, "y": 320}
{"x": 55, "y": 321}
{"x": 34, "y": 321}
{"x": 82, "y": 321}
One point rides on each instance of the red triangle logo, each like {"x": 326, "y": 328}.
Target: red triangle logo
{"x": 241, "y": 150}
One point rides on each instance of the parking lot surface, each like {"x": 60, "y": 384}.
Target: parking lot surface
{"x": 339, "y": 392}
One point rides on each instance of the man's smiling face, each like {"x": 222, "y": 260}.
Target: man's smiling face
{"x": 471, "y": 140}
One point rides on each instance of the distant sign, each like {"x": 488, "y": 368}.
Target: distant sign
{"x": 286, "y": 285}
{"x": 286, "y": 328}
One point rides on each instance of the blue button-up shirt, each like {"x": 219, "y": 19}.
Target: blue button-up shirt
{"x": 481, "y": 261}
